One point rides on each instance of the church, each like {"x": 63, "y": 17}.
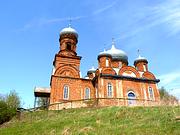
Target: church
{"x": 112, "y": 83}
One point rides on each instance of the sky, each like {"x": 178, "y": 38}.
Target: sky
{"x": 29, "y": 38}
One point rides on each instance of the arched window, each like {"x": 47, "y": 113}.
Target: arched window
{"x": 131, "y": 97}
{"x": 109, "y": 90}
{"x": 68, "y": 46}
{"x": 87, "y": 93}
{"x": 151, "y": 93}
{"x": 66, "y": 92}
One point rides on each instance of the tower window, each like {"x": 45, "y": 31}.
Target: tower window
{"x": 87, "y": 93}
{"x": 68, "y": 46}
{"x": 109, "y": 90}
{"x": 66, "y": 92}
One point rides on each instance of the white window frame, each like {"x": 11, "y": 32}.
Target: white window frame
{"x": 144, "y": 67}
{"x": 151, "y": 98}
{"x": 89, "y": 93}
{"x": 109, "y": 90}
{"x": 66, "y": 89}
{"x": 107, "y": 62}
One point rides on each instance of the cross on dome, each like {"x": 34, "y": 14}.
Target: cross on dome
{"x": 139, "y": 56}
{"x": 70, "y": 21}
{"x": 113, "y": 44}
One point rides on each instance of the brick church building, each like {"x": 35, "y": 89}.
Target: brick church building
{"x": 113, "y": 82}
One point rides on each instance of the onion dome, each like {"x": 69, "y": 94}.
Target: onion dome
{"x": 117, "y": 54}
{"x": 140, "y": 59}
{"x": 92, "y": 70}
{"x": 69, "y": 30}
{"x": 104, "y": 53}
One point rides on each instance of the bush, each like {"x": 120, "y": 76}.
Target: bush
{"x": 13, "y": 100}
{"x": 8, "y": 106}
{"x": 6, "y": 113}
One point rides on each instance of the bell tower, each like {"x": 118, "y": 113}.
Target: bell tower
{"x": 66, "y": 62}
{"x": 68, "y": 40}
{"x": 66, "y": 71}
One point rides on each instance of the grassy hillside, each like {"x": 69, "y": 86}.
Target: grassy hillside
{"x": 97, "y": 121}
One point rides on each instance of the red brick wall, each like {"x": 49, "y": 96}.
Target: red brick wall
{"x": 140, "y": 67}
{"x": 102, "y": 61}
{"x": 76, "y": 88}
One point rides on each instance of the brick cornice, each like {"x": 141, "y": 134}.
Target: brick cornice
{"x": 72, "y": 57}
{"x": 129, "y": 78}
{"x": 71, "y": 78}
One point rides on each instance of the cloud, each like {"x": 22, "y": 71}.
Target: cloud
{"x": 171, "y": 81}
{"x": 103, "y": 9}
{"x": 169, "y": 78}
{"x": 42, "y": 21}
{"x": 166, "y": 13}
{"x": 56, "y": 20}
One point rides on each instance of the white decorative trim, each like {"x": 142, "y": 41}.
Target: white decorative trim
{"x": 131, "y": 75}
{"x": 117, "y": 89}
{"x": 141, "y": 73}
{"x": 131, "y": 92}
{"x": 116, "y": 70}
{"x": 144, "y": 67}
{"x": 145, "y": 94}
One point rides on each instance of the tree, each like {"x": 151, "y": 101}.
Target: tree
{"x": 8, "y": 106}
{"x": 13, "y": 100}
{"x": 166, "y": 97}
{"x": 43, "y": 102}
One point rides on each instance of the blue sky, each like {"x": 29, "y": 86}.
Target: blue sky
{"x": 29, "y": 34}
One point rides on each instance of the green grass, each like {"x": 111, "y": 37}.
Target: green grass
{"x": 98, "y": 121}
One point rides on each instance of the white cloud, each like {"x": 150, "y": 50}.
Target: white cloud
{"x": 169, "y": 78}
{"x": 42, "y": 21}
{"x": 171, "y": 81}
{"x": 55, "y": 20}
{"x": 103, "y": 9}
{"x": 166, "y": 13}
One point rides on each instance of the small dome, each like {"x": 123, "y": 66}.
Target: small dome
{"x": 104, "y": 53}
{"x": 69, "y": 30}
{"x": 117, "y": 54}
{"x": 92, "y": 70}
{"x": 139, "y": 59}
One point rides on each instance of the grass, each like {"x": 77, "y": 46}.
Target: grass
{"x": 97, "y": 121}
